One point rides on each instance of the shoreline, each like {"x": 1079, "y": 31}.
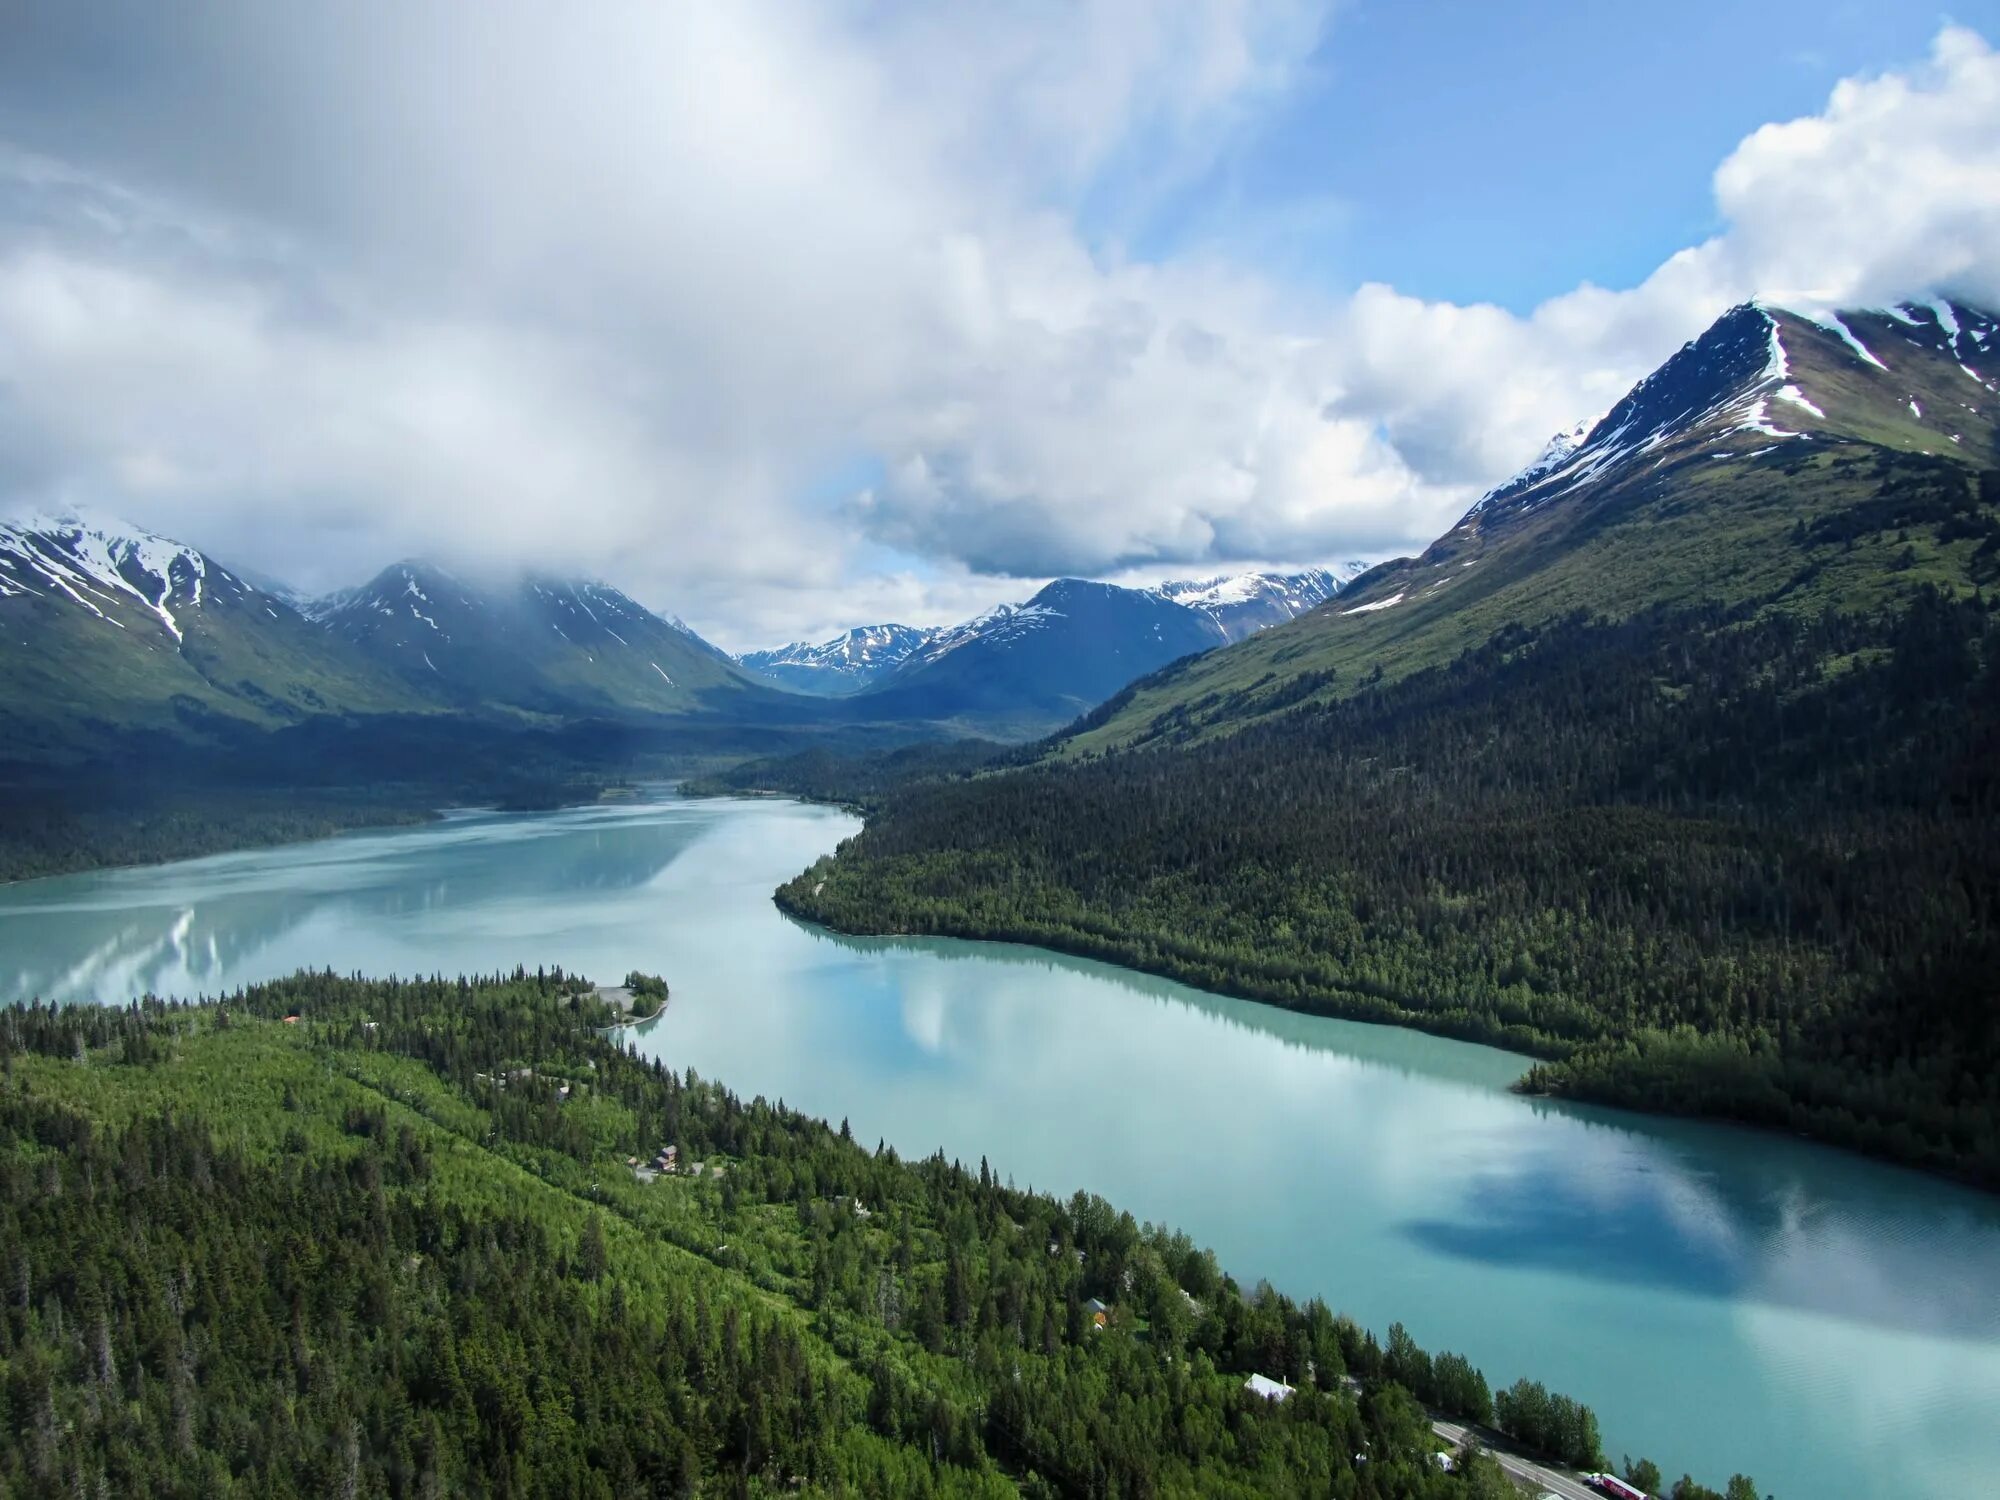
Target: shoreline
{"x": 1361, "y": 1015}
{"x": 1368, "y": 1012}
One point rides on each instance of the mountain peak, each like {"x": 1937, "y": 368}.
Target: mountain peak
{"x": 1768, "y": 372}
{"x": 849, "y": 662}
{"x": 104, "y": 565}
{"x": 1240, "y": 604}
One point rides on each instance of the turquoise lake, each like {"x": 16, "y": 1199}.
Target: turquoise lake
{"x": 1726, "y": 1300}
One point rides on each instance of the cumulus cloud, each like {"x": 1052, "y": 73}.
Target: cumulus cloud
{"x": 619, "y": 293}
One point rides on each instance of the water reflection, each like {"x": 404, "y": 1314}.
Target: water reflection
{"x": 409, "y": 901}
{"x": 1722, "y": 1297}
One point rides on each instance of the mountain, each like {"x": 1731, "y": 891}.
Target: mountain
{"x": 1239, "y": 605}
{"x": 540, "y": 645}
{"x": 116, "y": 635}
{"x": 1245, "y": 603}
{"x": 1713, "y": 479}
{"x": 1675, "y": 764}
{"x": 1023, "y": 669}
{"x": 846, "y": 664}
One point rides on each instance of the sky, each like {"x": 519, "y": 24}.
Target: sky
{"x": 789, "y": 317}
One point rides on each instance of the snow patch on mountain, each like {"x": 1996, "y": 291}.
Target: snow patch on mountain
{"x": 1003, "y": 622}
{"x": 1832, "y": 323}
{"x": 100, "y": 563}
{"x": 1380, "y": 604}
{"x": 1797, "y": 397}
{"x": 1241, "y": 604}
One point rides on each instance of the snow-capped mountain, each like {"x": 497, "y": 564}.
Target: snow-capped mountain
{"x": 1918, "y": 376}
{"x": 541, "y": 643}
{"x": 846, "y": 664}
{"x": 1798, "y": 458}
{"x": 112, "y": 630}
{"x": 1242, "y": 604}
{"x": 113, "y": 570}
{"x": 1026, "y": 668}
{"x": 1235, "y": 605}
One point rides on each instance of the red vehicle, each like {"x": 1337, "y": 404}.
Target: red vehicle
{"x": 1612, "y": 1485}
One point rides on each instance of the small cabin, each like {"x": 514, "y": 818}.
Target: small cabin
{"x": 1269, "y": 1389}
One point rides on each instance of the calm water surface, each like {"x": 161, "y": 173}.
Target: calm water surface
{"x": 1725, "y": 1300}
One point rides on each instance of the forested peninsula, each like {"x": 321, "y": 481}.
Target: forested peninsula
{"x": 1727, "y": 861}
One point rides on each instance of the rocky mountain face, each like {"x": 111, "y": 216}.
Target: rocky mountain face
{"x": 1242, "y": 604}
{"x": 1725, "y": 475}
{"x": 540, "y": 644}
{"x": 846, "y": 664}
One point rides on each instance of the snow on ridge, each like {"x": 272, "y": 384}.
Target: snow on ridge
{"x": 1777, "y": 367}
{"x": 1557, "y": 453}
{"x": 104, "y": 558}
{"x": 1830, "y": 321}
{"x": 1003, "y": 622}
{"x": 864, "y": 647}
{"x": 1756, "y": 418}
{"x": 1368, "y": 609}
{"x": 1797, "y": 397}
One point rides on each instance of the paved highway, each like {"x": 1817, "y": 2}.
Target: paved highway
{"x": 1531, "y": 1474}
{"x": 1549, "y": 1481}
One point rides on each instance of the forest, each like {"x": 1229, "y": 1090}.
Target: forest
{"x": 342, "y": 1237}
{"x": 1738, "y": 861}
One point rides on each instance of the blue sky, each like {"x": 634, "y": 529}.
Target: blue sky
{"x": 791, "y": 316}
{"x": 1477, "y": 151}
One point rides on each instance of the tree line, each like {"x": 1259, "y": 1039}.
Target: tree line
{"x": 335, "y": 1236}
{"x": 1733, "y": 861}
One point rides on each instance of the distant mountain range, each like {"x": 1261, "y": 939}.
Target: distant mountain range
{"x": 118, "y": 639}
{"x": 1025, "y": 669}
{"x": 1242, "y": 604}
{"x": 846, "y": 664}
{"x": 1121, "y": 624}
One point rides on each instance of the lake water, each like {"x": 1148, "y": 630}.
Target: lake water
{"x": 1725, "y": 1300}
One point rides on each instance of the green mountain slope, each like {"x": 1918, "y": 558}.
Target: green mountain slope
{"x": 108, "y": 633}
{"x": 393, "y": 1246}
{"x": 1677, "y": 764}
{"x": 1717, "y": 479}
{"x": 540, "y": 645}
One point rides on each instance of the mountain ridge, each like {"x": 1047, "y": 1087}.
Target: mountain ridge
{"x": 1238, "y": 604}
{"x": 1691, "y": 487}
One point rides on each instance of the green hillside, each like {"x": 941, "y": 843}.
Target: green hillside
{"x": 393, "y": 1247}
{"x": 539, "y": 646}
{"x": 1695, "y": 505}
{"x": 77, "y": 678}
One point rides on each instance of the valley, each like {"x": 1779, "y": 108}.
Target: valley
{"x": 1677, "y": 774}
{"x": 1774, "y": 1286}
{"x": 1230, "y": 748}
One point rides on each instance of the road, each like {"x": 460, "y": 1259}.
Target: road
{"x": 1526, "y": 1471}
{"x": 1531, "y": 1474}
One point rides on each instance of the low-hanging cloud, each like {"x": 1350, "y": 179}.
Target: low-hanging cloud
{"x": 618, "y": 292}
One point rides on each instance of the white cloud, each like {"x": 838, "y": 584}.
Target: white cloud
{"x": 321, "y": 289}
